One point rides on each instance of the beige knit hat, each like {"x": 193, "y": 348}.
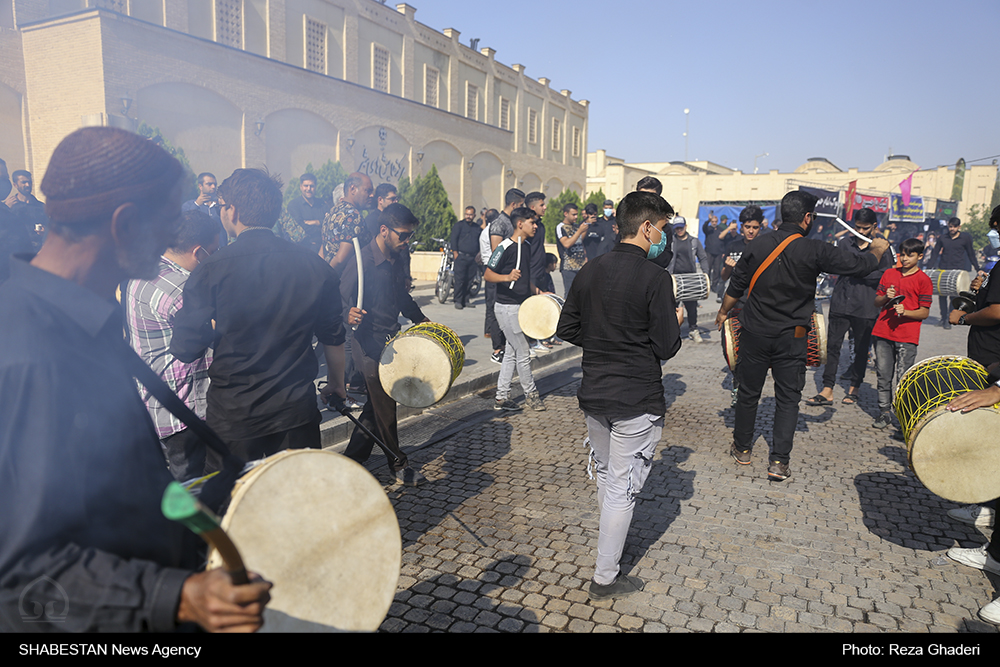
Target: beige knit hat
{"x": 95, "y": 170}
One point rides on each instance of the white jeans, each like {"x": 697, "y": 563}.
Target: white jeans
{"x": 515, "y": 352}
{"x": 622, "y": 453}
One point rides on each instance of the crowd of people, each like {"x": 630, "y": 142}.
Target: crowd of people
{"x": 231, "y": 300}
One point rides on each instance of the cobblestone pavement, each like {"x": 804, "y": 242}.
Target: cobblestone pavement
{"x": 502, "y": 538}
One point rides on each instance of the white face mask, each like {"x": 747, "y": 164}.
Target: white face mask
{"x": 994, "y": 236}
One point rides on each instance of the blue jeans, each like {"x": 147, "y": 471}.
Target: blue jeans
{"x": 892, "y": 359}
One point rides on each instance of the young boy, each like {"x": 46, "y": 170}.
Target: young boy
{"x": 510, "y": 268}
{"x": 897, "y": 330}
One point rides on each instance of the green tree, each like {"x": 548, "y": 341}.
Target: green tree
{"x": 190, "y": 179}
{"x": 554, "y": 215}
{"x": 329, "y": 176}
{"x": 978, "y": 224}
{"x": 428, "y": 200}
{"x": 597, "y": 198}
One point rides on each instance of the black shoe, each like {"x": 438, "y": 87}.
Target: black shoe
{"x": 741, "y": 457}
{"x": 882, "y": 421}
{"x": 622, "y": 586}
{"x": 778, "y": 471}
{"x": 947, "y": 324}
{"x": 459, "y": 306}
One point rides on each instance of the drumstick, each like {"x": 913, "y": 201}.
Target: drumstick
{"x": 361, "y": 277}
{"x": 179, "y": 505}
{"x": 344, "y": 410}
{"x": 517, "y": 264}
{"x": 853, "y": 231}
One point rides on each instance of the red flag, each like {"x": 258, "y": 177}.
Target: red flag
{"x": 849, "y": 203}
{"x": 904, "y": 187}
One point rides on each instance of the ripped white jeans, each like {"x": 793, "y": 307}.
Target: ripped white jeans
{"x": 621, "y": 452}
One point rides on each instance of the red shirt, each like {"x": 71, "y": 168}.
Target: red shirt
{"x": 916, "y": 290}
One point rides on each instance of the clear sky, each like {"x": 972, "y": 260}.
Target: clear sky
{"x": 846, "y": 80}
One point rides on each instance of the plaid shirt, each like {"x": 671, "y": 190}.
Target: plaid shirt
{"x": 150, "y": 306}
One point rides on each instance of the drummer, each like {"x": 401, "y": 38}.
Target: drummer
{"x": 385, "y": 296}
{"x": 776, "y": 318}
{"x": 84, "y": 546}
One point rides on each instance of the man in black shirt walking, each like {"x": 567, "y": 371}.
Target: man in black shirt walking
{"x": 465, "y": 248}
{"x": 621, "y": 311}
{"x": 954, "y": 252}
{"x": 268, "y": 297}
{"x": 778, "y": 274}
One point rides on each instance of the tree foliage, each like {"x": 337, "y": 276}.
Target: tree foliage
{"x": 978, "y": 224}
{"x": 428, "y": 200}
{"x": 554, "y": 215}
{"x": 328, "y": 176}
{"x": 596, "y": 198}
{"x": 190, "y": 179}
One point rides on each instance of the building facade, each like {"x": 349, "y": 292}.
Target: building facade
{"x": 285, "y": 83}
{"x": 687, "y": 184}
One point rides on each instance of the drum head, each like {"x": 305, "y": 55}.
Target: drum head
{"x": 539, "y": 316}
{"x": 954, "y": 456}
{"x": 321, "y": 528}
{"x": 415, "y": 370}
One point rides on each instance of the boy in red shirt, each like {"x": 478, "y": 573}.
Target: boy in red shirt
{"x": 897, "y": 330}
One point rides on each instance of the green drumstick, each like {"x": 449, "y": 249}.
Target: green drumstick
{"x": 179, "y": 505}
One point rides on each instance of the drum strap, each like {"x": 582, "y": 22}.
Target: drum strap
{"x": 770, "y": 258}
{"x": 216, "y": 490}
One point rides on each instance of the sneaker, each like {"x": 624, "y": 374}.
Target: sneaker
{"x": 497, "y": 357}
{"x": 778, "y": 471}
{"x": 740, "y": 456}
{"x": 694, "y": 336}
{"x": 882, "y": 421}
{"x": 622, "y": 586}
{"x": 973, "y": 515}
{"x": 978, "y": 558}
{"x": 531, "y": 353}
{"x": 409, "y": 477}
{"x": 539, "y": 347}
{"x": 991, "y": 612}
{"x": 534, "y": 401}
{"x": 506, "y": 404}
{"x": 734, "y": 397}
{"x": 353, "y": 404}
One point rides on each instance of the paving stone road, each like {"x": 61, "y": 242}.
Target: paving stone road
{"x": 502, "y": 537}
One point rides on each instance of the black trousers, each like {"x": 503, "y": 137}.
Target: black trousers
{"x": 492, "y": 326}
{"x": 862, "y": 332}
{"x": 378, "y": 416}
{"x": 465, "y": 270}
{"x": 305, "y": 436}
{"x": 785, "y": 355}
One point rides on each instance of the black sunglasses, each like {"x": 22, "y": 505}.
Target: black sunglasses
{"x": 403, "y": 236}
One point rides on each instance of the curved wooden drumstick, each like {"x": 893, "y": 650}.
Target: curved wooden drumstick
{"x": 361, "y": 276}
{"x": 179, "y": 505}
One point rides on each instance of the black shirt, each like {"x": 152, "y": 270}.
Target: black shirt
{"x": 984, "y": 342}
{"x": 503, "y": 261}
{"x": 299, "y": 210}
{"x": 597, "y": 239}
{"x": 268, "y": 298}
{"x": 783, "y": 296}
{"x": 956, "y": 253}
{"x": 855, "y": 295}
{"x": 620, "y": 310}
{"x": 81, "y": 469}
{"x": 465, "y": 237}
{"x": 385, "y": 297}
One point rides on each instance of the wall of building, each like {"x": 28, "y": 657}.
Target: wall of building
{"x": 206, "y": 83}
{"x": 685, "y": 185}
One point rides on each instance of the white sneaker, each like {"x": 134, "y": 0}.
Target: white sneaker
{"x": 973, "y": 515}
{"x": 977, "y": 558}
{"x": 991, "y": 612}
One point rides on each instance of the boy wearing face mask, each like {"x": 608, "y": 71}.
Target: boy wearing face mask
{"x": 620, "y": 310}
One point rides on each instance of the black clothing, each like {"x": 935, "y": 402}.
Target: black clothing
{"x": 537, "y": 244}
{"x": 14, "y": 239}
{"x": 300, "y": 210}
{"x": 984, "y": 342}
{"x": 599, "y": 236}
{"x": 81, "y": 470}
{"x": 465, "y": 241}
{"x": 956, "y": 253}
{"x": 713, "y": 244}
{"x": 385, "y": 297}
{"x": 620, "y": 310}
{"x": 503, "y": 261}
{"x": 783, "y": 295}
{"x": 268, "y": 298}
{"x": 855, "y": 295}
{"x": 837, "y": 327}
{"x": 465, "y": 237}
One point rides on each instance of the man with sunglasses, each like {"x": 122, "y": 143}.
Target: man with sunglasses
{"x": 385, "y": 297}
{"x": 150, "y": 308}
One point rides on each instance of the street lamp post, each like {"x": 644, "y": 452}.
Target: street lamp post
{"x": 755, "y": 160}
{"x": 687, "y": 119}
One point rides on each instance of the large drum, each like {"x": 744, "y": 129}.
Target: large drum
{"x": 690, "y": 286}
{"x": 539, "y": 315}
{"x": 949, "y": 282}
{"x": 321, "y": 528}
{"x": 815, "y": 342}
{"x": 951, "y": 453}
{"x": 420, "y": 364}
